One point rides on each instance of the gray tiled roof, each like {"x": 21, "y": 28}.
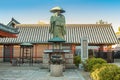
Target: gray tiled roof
{"x": 8, "y": 29}
{"x": 36, "y": 33}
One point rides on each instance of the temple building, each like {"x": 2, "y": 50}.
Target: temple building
{"x": 98, "y": 35}
{"x": 9, "y": 30}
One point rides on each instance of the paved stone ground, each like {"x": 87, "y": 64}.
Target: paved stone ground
{"x": 26, "y": 72}
{"x": 86, "y": 75}
{"x": 117, "y": 64}
{"x": 8, "y": 72}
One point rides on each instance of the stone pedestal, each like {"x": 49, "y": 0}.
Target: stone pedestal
{"x": 56, "y": 70}
{"x": 45, "y": 58}
{"x": 84, "y": 49}
{"x": 45, "y": 64}
{"x": 69, "y": 61}
{"x": 69, "y": 58}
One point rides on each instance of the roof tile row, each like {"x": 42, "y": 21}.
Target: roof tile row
{"x": 36, "y": 33}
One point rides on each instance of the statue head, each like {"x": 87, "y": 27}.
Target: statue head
{"x": 57, "y": 10}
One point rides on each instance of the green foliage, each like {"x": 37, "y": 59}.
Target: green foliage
{"x": 117, "y": 77}
{"x": 77, "y": 60}
{"x": 88, "y": 65}
{"x": 106, "y": 72}
{"x": 85, "y": 65}
{"x": 97, "y": 66}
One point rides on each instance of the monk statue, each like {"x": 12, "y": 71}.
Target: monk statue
{"x": 57, "y": 23}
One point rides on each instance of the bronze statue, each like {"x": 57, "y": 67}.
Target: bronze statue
{"x": 57, "y": 23}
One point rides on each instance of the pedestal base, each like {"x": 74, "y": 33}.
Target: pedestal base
{"x": 56, "y": 70}
{"x": 44, "y": 66}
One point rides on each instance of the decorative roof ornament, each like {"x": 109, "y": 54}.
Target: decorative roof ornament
{"x": 13, "y": 22}
{"x": 57, "y": 8}
{"x": 101, "y": 22}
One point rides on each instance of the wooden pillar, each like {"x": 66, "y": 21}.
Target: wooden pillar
{"x": 32, "y": 54}
{"x": 73, "y": 48}
{"x": 11, "y": 52}
{"x": 109, "y": 48}
{"x": 35, "y": 52}
{"x": 101, "y": 49}
{"x": 20, "y": 55}
{"x": 48, "y": 46}
{"x": 109, "y": 54}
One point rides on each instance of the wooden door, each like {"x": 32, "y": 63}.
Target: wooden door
{"x": 8, "y": 53}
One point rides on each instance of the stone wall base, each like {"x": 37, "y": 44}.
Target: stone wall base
{"x": 1, "y": 59}
{"x": 116, "y": 60}
{"x": 67, "y": 66}
{"x": 70, "y": 66}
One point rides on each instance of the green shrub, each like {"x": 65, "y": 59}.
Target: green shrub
{"x": 77, "y": 60}
{"x": 106, "y": 72}
{"x": 98, "y": 66}
{"x": 117, "y": 77}
{"x": 88, "y": 65}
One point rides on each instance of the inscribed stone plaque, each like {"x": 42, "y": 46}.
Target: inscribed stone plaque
{"x": 84, "y": 49}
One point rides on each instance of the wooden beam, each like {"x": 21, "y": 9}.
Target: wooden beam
{"x": 7, "y": 34}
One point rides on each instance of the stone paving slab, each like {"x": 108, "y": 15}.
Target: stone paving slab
{"x": 35, "y": 73}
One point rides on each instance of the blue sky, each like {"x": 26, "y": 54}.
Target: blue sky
{"x": 77, "y": 11}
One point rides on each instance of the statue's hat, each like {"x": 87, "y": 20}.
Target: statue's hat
{"x": 53, "y": 10}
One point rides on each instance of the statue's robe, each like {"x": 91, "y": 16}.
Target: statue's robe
{"x": 57, "y": 26}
